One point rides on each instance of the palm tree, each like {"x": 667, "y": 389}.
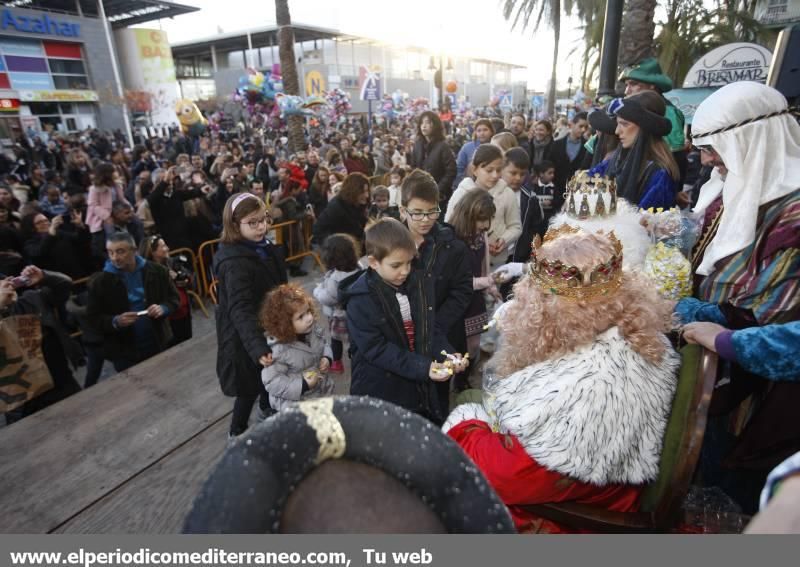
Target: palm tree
{"x": 691, "y": 30}
{"x": 546, "y": 10}
{"x": 638, "y": 29}
{"x": 291, "y": 85}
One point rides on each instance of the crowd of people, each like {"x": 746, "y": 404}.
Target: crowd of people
{"x": 431, "y": 234}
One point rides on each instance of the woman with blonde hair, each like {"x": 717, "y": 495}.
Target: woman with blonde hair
{"x": 577, "y": 399}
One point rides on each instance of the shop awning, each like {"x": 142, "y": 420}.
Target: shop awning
{"x": 120, "y": 13}
{"x": 687, "y": 100}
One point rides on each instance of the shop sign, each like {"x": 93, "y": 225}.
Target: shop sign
{"x": 44, "y": 24}
{"x": 728, "y": 64}
{"x": 58, "y": 96}
{"x": 9, "y": 105}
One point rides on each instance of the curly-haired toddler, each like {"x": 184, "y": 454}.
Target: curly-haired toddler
{"x": 301, "y": 354}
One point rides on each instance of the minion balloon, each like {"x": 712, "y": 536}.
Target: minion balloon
{"x": 192, "y": 121}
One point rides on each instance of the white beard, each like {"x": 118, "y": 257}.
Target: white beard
{"x": 625, "y": 224}
{"x": 597, "y": 415}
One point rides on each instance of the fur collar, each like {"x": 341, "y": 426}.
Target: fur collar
{"x": 597, "y": 415}
{"x": 626, "y": 226}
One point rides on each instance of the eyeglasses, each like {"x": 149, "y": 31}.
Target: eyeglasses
{"x": 254, "y": 224}
{"x": 420, "y": 215}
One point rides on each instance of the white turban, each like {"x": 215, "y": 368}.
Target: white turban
{"x": 762, "y": 158}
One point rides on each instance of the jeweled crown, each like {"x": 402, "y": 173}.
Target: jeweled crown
{"x": 590, "y": 196}
{"x": 564, "y": 280}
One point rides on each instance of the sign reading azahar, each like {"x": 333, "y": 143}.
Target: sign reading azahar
{"x": 43, "y": 25}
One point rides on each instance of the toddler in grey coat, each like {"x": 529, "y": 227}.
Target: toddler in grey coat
{"x": 301, "y": 353}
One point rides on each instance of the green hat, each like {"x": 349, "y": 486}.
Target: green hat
{"x": 648, "y": 71}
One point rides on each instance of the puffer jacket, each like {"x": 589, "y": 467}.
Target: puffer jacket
{"x": 244, "y": 280}
{"x": 283, "y": 379}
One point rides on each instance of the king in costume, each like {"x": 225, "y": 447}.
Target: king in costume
{"x": 585, "y": 383}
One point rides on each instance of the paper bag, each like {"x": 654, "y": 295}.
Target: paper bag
{"x": 23, "y": 372}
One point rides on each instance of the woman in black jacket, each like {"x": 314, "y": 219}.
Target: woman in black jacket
{"x": 247, "y": 266}
{"x": 58, "y": 245}
{"x": 432, "y": 154}
{"x": 347, "y": 212}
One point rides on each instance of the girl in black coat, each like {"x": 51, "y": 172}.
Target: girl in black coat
{"x": 347, "y": 212}
{"x": 247, "y": 266}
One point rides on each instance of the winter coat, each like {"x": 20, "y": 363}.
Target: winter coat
{"x": 244, "y": 280}
{"x": 283, "y": 379}
{"x": 533, "y": 223}
{"x": 108, "y": 297}
{"x": 66, "y": 252}
{"x": 437, "y": 159}
{"x": 506, "y": 223}
{"x": 463, "y": 160}
{"x": 444, "y": 261}
{"x": 383, "y": 365}
{"x": 340, "y": 216}
{"x": 565, "y": 168}
{"x": 99, "y": 204}
{"x": 169, "y": 215}
{"x": 327, "y": 291}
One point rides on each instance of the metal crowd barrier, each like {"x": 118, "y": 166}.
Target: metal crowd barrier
{"x": 298, "y": 244}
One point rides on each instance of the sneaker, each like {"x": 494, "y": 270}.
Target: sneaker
{"x": 233, "y": 439}
{"x": 336, "y": 367}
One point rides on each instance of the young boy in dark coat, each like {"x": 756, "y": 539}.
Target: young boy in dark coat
{"x": 442, "y": 261}
{"x": 394, "y": 341}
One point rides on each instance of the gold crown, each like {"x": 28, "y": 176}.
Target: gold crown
{"x": 590, "y": 196}
{"x": 569, "y": 282}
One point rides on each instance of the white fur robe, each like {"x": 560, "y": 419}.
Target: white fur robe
{"x": 597, "y": 415}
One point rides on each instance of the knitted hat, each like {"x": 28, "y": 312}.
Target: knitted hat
{"x": 347, "y": 465}
{"x": 648, "y": 71}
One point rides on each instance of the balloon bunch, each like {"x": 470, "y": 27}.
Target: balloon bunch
{"x": 419, "y": 105}
{"x": 291, "y": 105}
{"x": 338, "y": 102}
{"x": 257, "y": 87}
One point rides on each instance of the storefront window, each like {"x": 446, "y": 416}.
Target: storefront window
{"x": 42, "y": 65}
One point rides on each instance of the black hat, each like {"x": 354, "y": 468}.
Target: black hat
{"x": 650, "y": 120}
{"x": 308, "y": 468}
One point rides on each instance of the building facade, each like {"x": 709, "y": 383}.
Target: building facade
{"x": 327, "y": 59}
{"x": 55, "y": 72}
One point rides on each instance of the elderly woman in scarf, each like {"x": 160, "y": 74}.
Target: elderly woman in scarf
{"x": 577, "y": 400}
{"x": 643, "y": 166}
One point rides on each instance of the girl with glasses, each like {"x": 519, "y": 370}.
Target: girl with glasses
{"x": 247, "y": 266}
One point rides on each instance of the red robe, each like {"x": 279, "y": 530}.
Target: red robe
{"x": 518, "y": 479}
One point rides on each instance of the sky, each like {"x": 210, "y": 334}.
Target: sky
{"x": 461, "y": 27}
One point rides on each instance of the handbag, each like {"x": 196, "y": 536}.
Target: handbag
{"x": 23, "y": 372}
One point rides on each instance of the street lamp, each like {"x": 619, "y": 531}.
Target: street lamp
{"x": 438, "y": 76}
